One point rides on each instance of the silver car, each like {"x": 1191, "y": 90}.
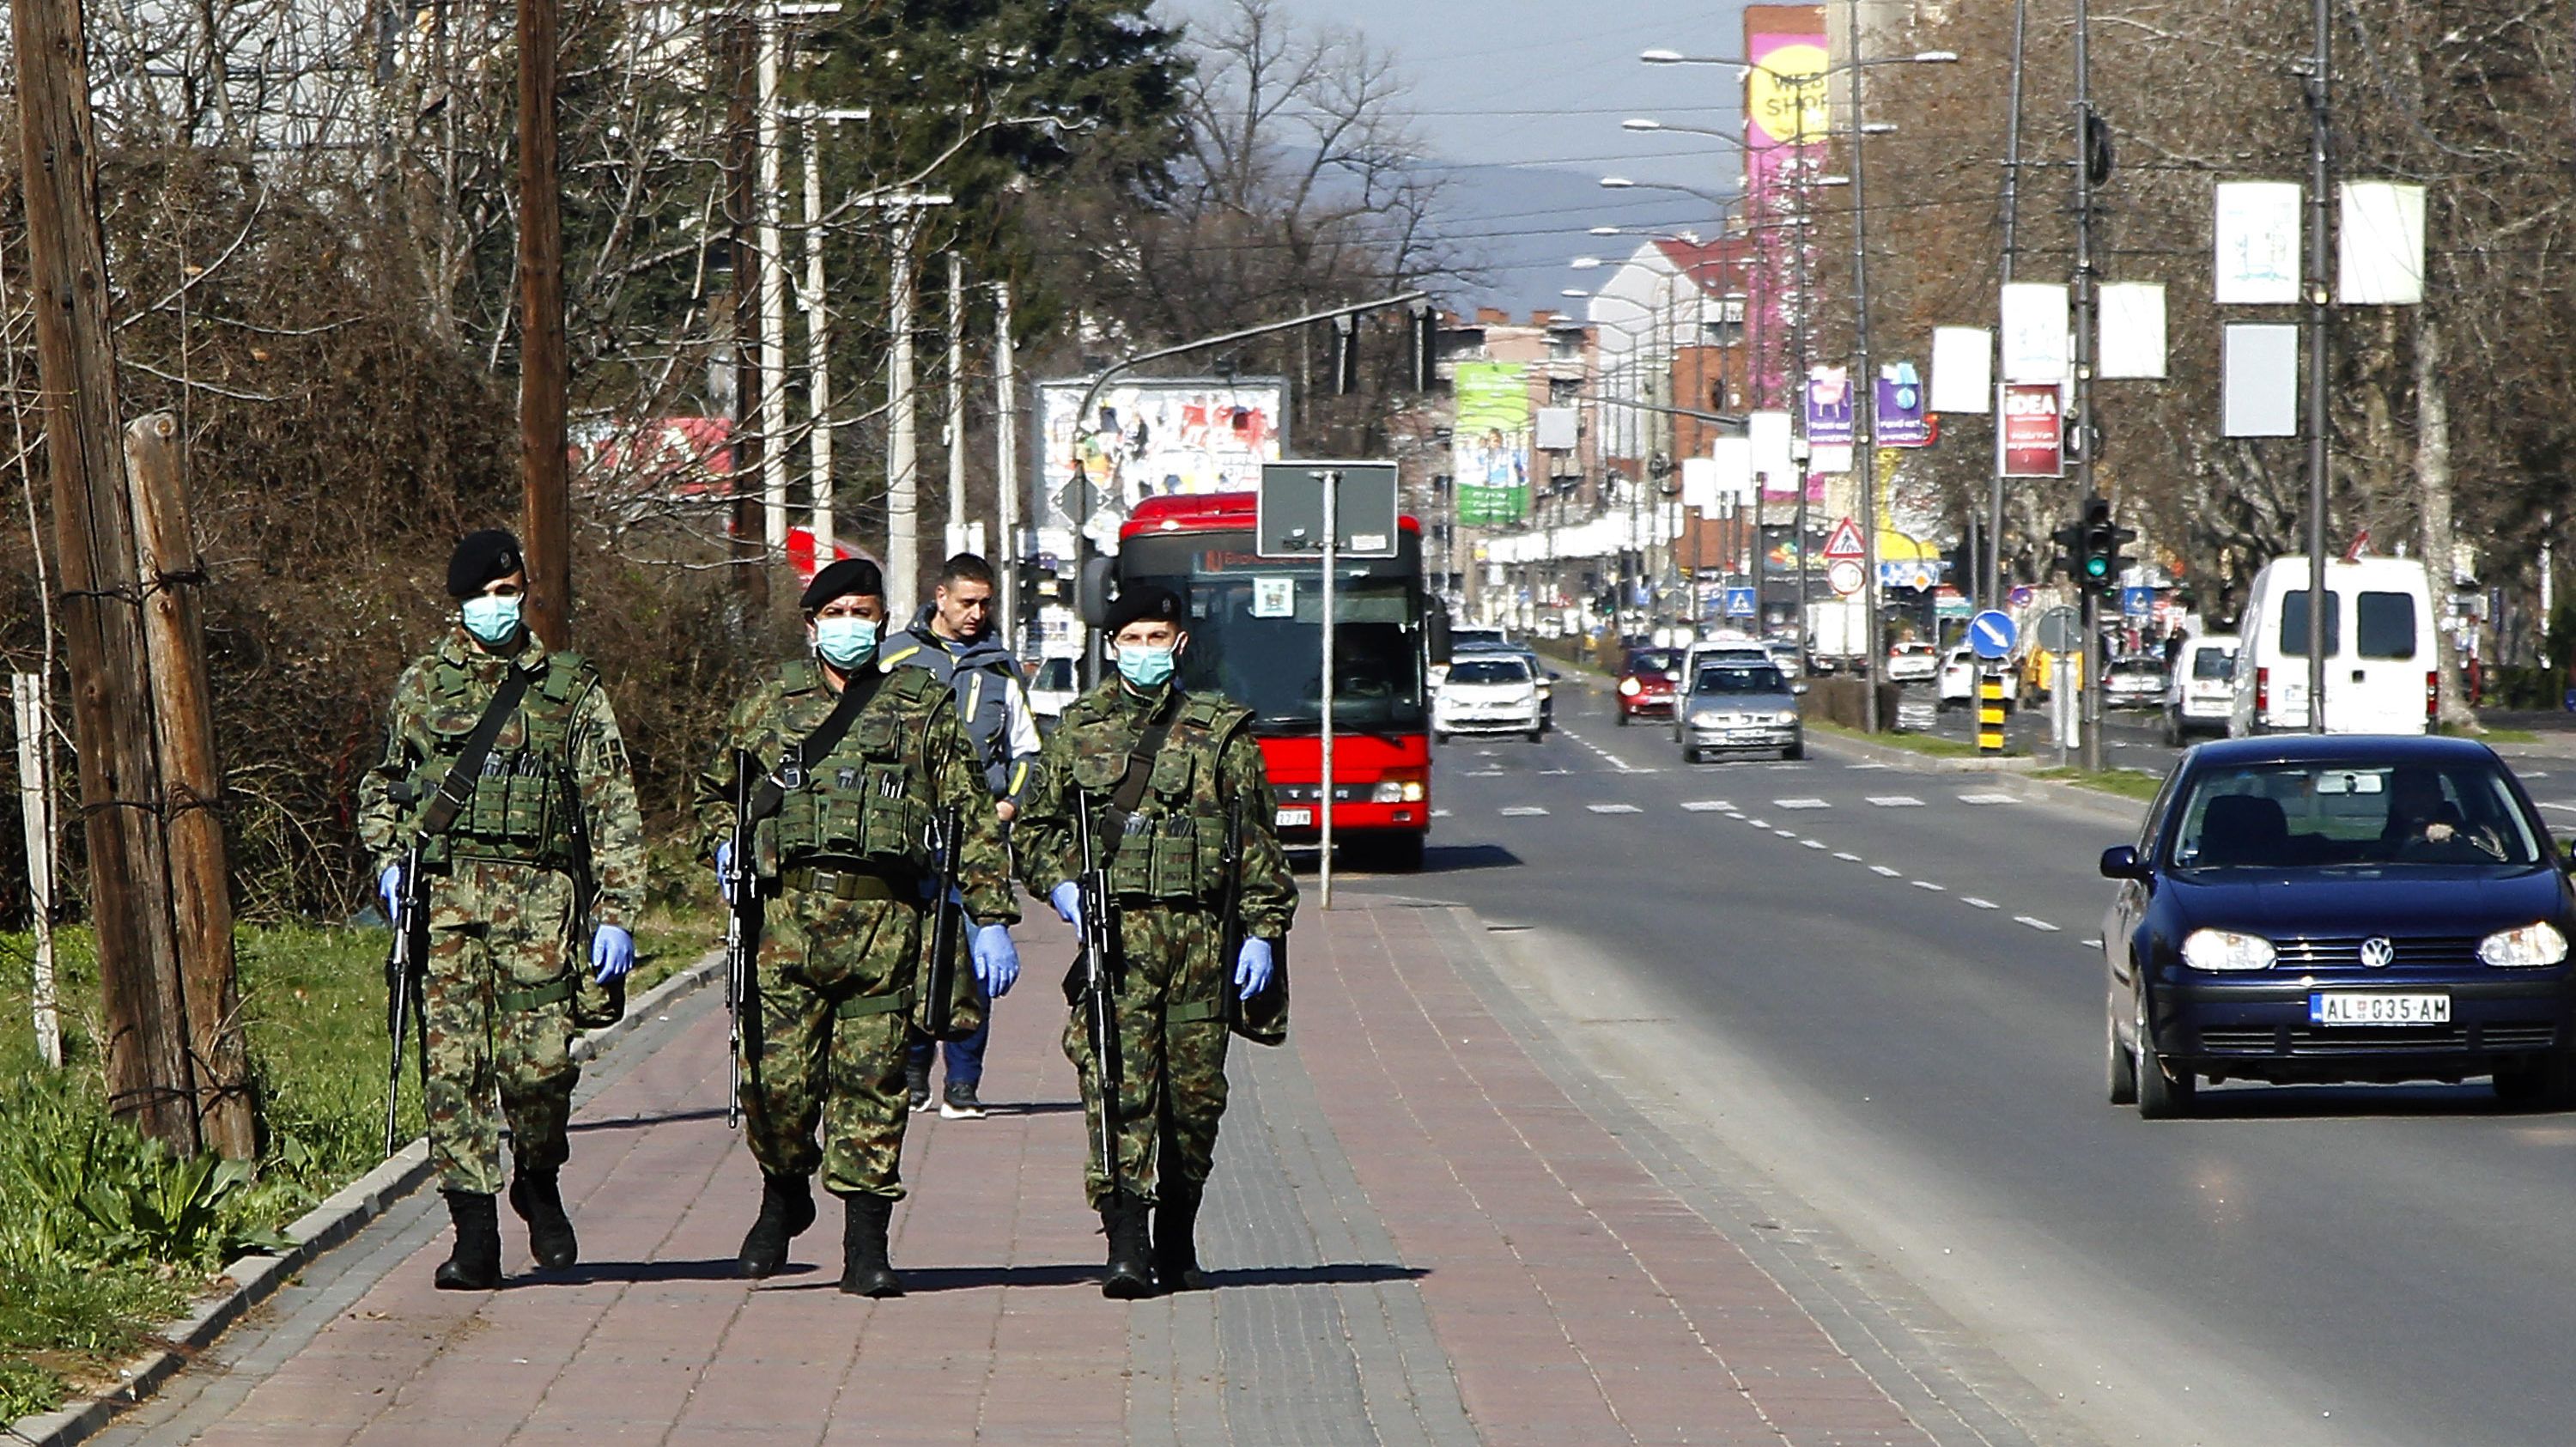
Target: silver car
{"x": 1736, "y": 707}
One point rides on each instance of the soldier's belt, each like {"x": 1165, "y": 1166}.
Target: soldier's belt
{"x": 859, "y": 1007}
{"x": 847, "y": 884}
{"x": 1189, "y": 1011}
{"x": 536, "y": 997}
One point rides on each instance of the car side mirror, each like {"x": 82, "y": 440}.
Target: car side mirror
{"x": 1797, "y": 688}
{"x": 2120, "y": 861}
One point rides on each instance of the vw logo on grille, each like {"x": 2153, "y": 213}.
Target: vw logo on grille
{"x": 2378, "y": 953}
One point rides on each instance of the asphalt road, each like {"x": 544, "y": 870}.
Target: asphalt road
{"x": 1883, "y": 987}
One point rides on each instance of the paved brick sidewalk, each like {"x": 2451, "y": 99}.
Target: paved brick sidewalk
{"x": 1427, "y": 1227}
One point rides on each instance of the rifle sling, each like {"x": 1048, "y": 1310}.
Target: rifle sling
{"x": 819, "y": 744}
{"x": 458, "y": 787}
{"x": 1140, "y": 764}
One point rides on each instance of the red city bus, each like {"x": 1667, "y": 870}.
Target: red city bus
{"x": 1256, "y": 627}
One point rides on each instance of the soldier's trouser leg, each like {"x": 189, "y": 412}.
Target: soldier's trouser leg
{"x": 832, "y": 1042}
{"x": 497, "y": 1022}
{"x": 1173, "y": 1071}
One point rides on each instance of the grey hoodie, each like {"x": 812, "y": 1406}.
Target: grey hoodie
{"x": 992, "y": 702}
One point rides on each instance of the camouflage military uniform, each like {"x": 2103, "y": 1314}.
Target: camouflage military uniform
{"x": 551, "y": 833}
{"x": 1165, "y": 869}
{"x": 844, "y": 857}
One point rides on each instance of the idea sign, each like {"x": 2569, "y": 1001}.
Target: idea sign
{"x": 2032, "y": 437}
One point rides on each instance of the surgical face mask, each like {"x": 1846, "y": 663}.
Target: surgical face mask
{"x": 1145, "y": 667}
{"x": 492, "y": 619}
{"x": 845, "y": 643}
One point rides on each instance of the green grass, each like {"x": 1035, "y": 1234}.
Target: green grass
{"x": 2127, "y": 783}
{"x": 1930, "y": 744}
{"x": 102, "y": 1237}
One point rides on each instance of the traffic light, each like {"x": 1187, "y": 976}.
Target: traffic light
{"x": 2101, "y": 556}
{"x": 2070, "y": 551}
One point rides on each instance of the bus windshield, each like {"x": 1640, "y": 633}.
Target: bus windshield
{"x": 1256, "y": 636}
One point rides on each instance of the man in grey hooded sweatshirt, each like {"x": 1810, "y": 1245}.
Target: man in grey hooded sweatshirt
{"x": 954, "y": 638}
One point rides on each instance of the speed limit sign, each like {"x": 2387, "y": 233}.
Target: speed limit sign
{"x": 1844, "y": 576}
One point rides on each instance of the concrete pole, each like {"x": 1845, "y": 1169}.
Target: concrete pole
{"x": 903, "y": 502}
{"x": 1865, "y": 400}
{"x": 818, "y": 354}
{"x": 36, "y": 813}
{"x": 956, "y": 430}
{"x": 1006, "y": 459}
{"x": 773, "y": 295}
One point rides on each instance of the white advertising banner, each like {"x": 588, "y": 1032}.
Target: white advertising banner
{"x": 1768, "y": 432}
{"x": 2034, "y": 332}
{"x": 1699, "y": 483}
{"x": 1731, "y": 464}
{"x": 2379, "y": 245}
{"x": 1556, "y": 429}
{"x": 2133, "y": 329}
{"x": 2259, "y": 380}
{"x": 2257, "y": 232}
{"x": 1963, "y": 370}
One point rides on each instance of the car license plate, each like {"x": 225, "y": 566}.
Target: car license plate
{"x": 1296, "y": 818}
{"x": 2346, "y": 1007}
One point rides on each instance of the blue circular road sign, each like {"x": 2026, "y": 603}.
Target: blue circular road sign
{"x": 1992, "y": 635}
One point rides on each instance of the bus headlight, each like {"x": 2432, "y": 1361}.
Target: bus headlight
{"x": 1399, "y": 789}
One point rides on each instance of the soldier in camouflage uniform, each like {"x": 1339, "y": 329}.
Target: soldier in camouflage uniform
{"x": 842, "y": 849}
{"x": 549, "y": 844}
{"x": 1165, "y": 872}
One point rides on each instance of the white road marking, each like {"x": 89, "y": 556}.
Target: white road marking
{"x": 1787, "y": 768}
{"x": 1927, "y": 884}
{"x": 1439, "y": 813}
{"x": 2535, "y": 773}
{"x": 1522, "y": 811}
{"x": 1972, "y": 900}
{"x": 1813, "y": 843}
{"x": 1756, "y": 823}
{"x": 1786, "y": 833}
{"x": 1554, "y": 773}
{"x": 1483, "y": 774}
{"x": 1882, "y": 871}
{"x": 1708, "y": 806}
{"x": 1800, "y": 804}
{"x": 2037, "y": 924}
{"x": 1864, "y": 766}
{"x": 1614, "y": 808}
{"x": 2092, "y": 944}
{"x": 1896, "y": 801}
{"x": 2554, "y": 804}
{"x": 1989, "y": 799}
{"x": 1846, "y": 856}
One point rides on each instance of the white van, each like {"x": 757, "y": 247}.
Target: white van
{"x": 2200, "y": 692}
{"x": 2381, "y": 670}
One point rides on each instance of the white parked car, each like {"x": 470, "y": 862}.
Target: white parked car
{"x": 1912, "y": 663}
{"x": 1487, "y": 693}
{"x": 1959, "y": 677}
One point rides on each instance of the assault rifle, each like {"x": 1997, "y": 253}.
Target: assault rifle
{"x": 741, "y": 885}
{"x": 402, "y": 986}
{"x": 1094, "y": 984}
{"x": 1229, "y": 919}
{"x": 947, "y": 921}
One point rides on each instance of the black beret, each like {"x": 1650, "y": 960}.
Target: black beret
{"x": 1140, "y": 602}
{"x": 480, "y": 558}
{"x": 847, "y": 576}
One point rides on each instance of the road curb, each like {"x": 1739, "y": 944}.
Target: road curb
{"x": 1898, "y": 757}
{"x": 338, "y": 1218}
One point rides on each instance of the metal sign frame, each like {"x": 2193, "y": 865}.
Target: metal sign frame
{"x": 1351, "y": 478}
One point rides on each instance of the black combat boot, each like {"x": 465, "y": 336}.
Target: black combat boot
{"x": 475, "y": 1265}
{"x": 538, "y": 1198}
{"x": 786, "y": 1209}
{"x": 1131, "y": 1267}
{"x": 1176, "y": 1252}
{"x": 864, "y": 1269}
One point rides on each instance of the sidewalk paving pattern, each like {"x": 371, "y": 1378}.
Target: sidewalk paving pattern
{"x": 1428, "y": 1226}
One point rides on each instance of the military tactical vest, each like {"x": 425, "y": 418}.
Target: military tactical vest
{"x": 866, "y": 799}
{"x": 1172, "y": 847}
{"x": 526, "y": 805}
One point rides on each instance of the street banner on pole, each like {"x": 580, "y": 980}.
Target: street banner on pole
{"x": 2034, "y": 332}
{"x": 1492, "y": 443}
{"x": 1829, "y": 411}
{"x": 1768, "y": 432}
{"x": 2032, "y": 439}
{"x": 1902, "y": 420}
{"x": 2259, "y": 386}
{"x": 2257, "y": 231}
{"x": 2133, "y": 330}
{"x": 1699, "y": 483}
{"x": 2379, "y": 245}
{"x": 1963, "y": 370}
{"x": 1731, "y": 464}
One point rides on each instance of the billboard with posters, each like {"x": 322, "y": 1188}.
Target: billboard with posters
{"x": 1492, "y": 441}
{"x": 1153, "y": 437}
{"x": 2032, "y": 437}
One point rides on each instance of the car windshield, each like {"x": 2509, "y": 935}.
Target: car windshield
{"x": 1651, "y": 660}
{"x": 2212, "y": 663}
{"x": 1489, "y": 670}
{"x": 1736, "y": 678}
{"x": 1055, "y": 675}
{"x": 2343, "y": 815}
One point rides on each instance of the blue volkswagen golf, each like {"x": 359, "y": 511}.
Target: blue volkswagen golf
{"x": 2339, "y": 908}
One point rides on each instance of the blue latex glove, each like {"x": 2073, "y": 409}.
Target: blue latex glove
{"x": 724, "y": 863}
{"x": 612, "y": 953}
{"x": 997, "y": 960}
{"x": 1067, "y": 899}
{"x": 1252, "y": 968}
{"x": 389, "y": 889}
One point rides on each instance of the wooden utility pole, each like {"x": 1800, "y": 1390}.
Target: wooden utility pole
{"x": 120, "y": 777}
{"x": 742, "y": 203}
{"x": 174, "y": 636}
{"x": 548, "y": 503}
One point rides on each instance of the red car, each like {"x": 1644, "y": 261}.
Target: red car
{"x": 1646, "y": 683}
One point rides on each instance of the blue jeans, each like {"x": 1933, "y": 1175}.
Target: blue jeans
{"x": 965, "y": 1057}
